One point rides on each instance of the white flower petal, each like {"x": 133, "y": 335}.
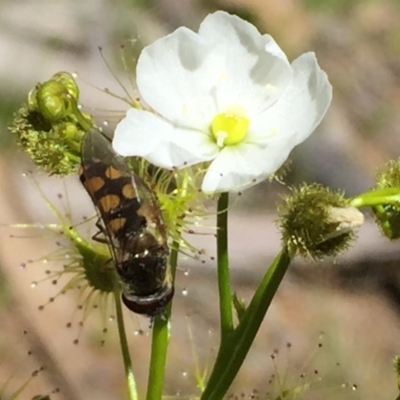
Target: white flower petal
{"x": 256, "y": 69}
{"x": 236, "y": 168}
{"x": 189, "y": 78}
{"x": 175, "y": 76}
{"x": 299, "y": 110}
{"x": 230, "y": 28}
{"x": 144, "y": 134}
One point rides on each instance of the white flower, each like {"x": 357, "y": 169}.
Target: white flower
{"x": 225, "y": 95}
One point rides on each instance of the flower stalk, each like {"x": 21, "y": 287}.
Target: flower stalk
{"x": 130, "y": 377}
{"x": 384, "y": 203}
{"x": 232, "y": 354}
{"x": 224, "y": 283}
{"x": 160, "y": 340}
{"x": 377, "y": 197}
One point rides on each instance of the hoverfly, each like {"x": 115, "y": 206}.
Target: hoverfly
{"x": 131, "y": 222}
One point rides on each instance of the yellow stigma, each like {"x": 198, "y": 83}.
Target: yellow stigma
{"x": 229, "y": 128}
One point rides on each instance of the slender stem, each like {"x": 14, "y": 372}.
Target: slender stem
{"x": 159, "y": 346}
{"x": 231, "y": 356}
{"x": 85, "y": 124}
{"x": 377, "y": 197}
{"x": 224, "y": 283}
{"x": 160, "y": 341}
{"x": 130, "y": 378}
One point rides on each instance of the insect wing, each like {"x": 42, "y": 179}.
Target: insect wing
{"x": 125, "y": 202}
{"x": 150, "y": 210}
{"x": 108, "y": 180}
{"x": 133, "y": 225}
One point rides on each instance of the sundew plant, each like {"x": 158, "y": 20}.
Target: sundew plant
{"x": 218, "y": 111}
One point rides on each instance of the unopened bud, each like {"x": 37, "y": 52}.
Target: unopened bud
{"x": 317, "y": 222}
{"x": 68, "y": 81}
{"x": 53, "y": 100}
{"x": 388, "y": 215}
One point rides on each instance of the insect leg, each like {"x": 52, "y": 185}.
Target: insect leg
{"x": 97, "y": 236}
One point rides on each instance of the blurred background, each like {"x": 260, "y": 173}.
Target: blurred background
{"x": 334, "y": 327}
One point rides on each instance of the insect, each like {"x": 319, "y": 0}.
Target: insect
{"x": 131, "y": 223}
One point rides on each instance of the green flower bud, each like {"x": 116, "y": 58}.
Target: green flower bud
{"x": 32, "y": 100}
{"x": 53, "y": 100}
{"x": 316, "y": 222}
{"x": 68, "y": 81}
{"x": 57, "y": 98}
{"x": 51, "y": 127}
{"x": 388, "y": 215}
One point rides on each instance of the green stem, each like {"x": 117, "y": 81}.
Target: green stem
{"x": 377, "y": 197}
{"x": 73, "y": 157}
{"x": 160, "y": 341}
{"x": 231, "y": 356}
{"x": 84, "y": 123}
{"x": 130, "y": 378}
{"x": 224, "y": 283}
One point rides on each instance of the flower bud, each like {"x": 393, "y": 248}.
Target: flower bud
{"x": 388, "y": 215}
{"x": 53, "y": 100}
{"x": 316, "y": 222}
{"x": 50, "y": 128}
{"x": 32, "y": 100}
{"x": 68, "y": 81}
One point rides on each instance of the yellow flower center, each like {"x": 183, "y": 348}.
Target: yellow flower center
{"x": 230, "y": 128}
